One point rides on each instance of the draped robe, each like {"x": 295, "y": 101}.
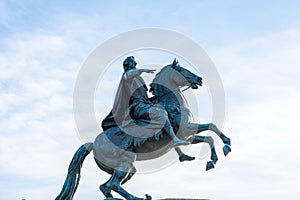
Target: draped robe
{"x": 119, "y": 125}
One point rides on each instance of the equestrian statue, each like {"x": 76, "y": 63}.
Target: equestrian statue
{"x": 141, "y": 128}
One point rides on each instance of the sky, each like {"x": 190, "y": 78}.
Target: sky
{"x": 255, "y": 46}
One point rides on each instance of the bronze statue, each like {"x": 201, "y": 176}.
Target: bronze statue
{"x": 132, "y": 99}
{"x": 139, "y": 128}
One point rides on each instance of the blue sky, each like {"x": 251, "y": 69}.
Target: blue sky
{"x": 255, "y": 46}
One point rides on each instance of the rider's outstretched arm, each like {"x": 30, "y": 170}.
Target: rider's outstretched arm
{"x": 135, "y": 72}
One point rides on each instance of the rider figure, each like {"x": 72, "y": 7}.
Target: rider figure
{"x": 134, "y": 90}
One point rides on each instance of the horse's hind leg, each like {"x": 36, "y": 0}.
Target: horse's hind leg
{"x": 119, "y": 175}
{"x": 129, "y": 176}
{"x": 105, "y": 189}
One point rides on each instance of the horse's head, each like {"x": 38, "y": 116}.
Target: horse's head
{"x": 172, "y": 77}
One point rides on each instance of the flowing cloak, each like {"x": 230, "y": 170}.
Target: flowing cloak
{"x": 119, "y": 126}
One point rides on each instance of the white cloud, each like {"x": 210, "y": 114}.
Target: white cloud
{"x": 37, "y": 77}
{"x": 4, "y": 17}
{"x": 272, "y": 59}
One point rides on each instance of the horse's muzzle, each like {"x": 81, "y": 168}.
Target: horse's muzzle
{"x": 196, "y": 83}
{"x": 194, "y": 86}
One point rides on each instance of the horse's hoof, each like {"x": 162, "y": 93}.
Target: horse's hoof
{"x": 227, "y": 141}
{"x": 226, "y": 149}
{"x": 148, "y": 197}
{"x": 210, "y": 165}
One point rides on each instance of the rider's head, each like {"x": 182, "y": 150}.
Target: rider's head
{"x": 129, "y": 63}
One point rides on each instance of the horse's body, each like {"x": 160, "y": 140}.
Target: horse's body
{"x": 115, "y": 155}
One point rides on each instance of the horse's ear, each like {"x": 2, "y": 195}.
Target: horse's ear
{"x": 175, "y": 62}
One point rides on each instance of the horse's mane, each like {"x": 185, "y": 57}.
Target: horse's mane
{"x": 156, "y": 88}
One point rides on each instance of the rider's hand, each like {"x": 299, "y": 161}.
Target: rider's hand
{"x": 151, "y": 71}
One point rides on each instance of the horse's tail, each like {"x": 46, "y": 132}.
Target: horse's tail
{"x": 73, "y": 177}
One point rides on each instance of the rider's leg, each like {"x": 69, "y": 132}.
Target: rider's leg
{"x": 176, "y": 141}
{"x": 158, "y": 116}
{"x": 159, "y": 113}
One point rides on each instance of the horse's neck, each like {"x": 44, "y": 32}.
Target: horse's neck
{"x": 174, "y": 102}
{"x": 175, "y": 97}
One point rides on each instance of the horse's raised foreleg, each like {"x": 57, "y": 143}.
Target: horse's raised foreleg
{"x": 209, "y": 140}
{"x": 214, "y": 128}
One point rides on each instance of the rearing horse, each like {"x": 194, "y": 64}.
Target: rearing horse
{"x": 116, "y": 151}
{"x": 167, "y": 93}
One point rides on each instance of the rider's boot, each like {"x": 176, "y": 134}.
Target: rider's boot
{"x": 184, "y": 157}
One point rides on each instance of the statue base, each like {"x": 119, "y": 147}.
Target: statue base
{"x": 181, "y": 199}
{"x": 111, "y": 198}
